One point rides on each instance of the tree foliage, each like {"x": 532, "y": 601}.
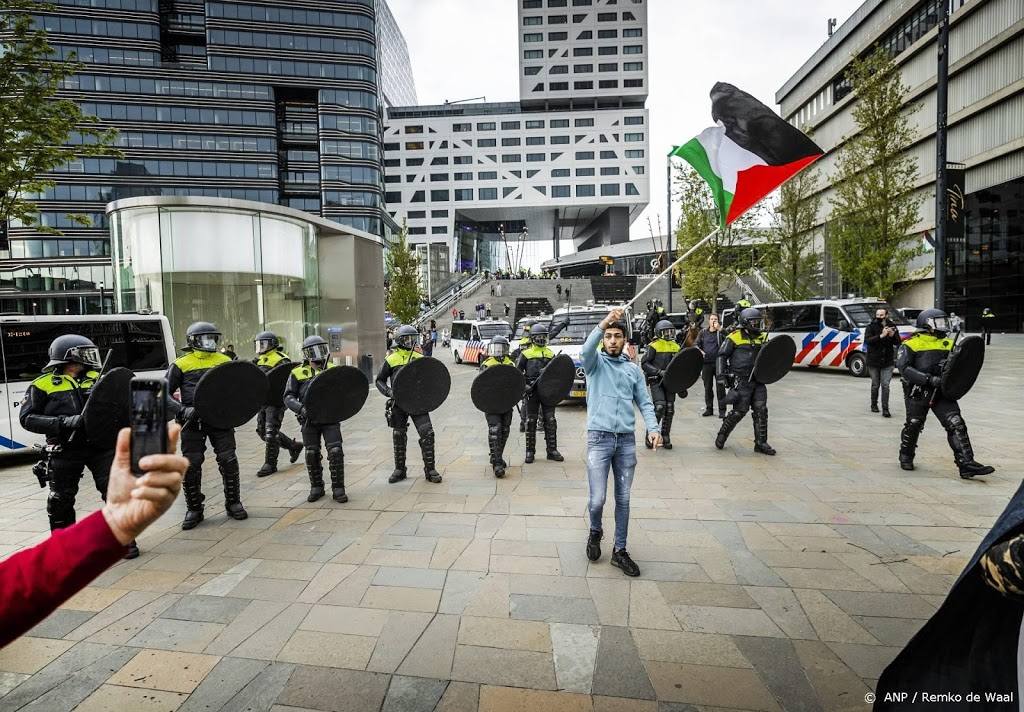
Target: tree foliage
{"x": 38, "y": 131}
{"x": 403, "y": 269}
{"x": 874, "y": 206}
{"x": 792, "y": 265}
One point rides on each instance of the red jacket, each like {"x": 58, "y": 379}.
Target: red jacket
{"x": 34, "y": 582}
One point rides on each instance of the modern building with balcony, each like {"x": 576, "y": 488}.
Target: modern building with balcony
{"x": 261, "y": 100}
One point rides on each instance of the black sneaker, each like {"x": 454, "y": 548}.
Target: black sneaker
{"x": 620, "y": 558}
{"x": 133, "y": 550}
{"x": 886, "y": 413}
{"x": 975, "y": 469}
{"x": 294, "y": 452}
{"x": 594, "y": 545}
{"x": 874, "y": 409}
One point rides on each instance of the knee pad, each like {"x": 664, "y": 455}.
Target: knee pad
{"x": 226, "y": 458}
{"x": 313, "y": 452}
{"x": 427, "y": 434}
{"x": 916, "y": 423}
{"x": 335, "y": 452}
{"x": 670, "y": 408}
{"x": 954, "y": 422}
{"x": 659, "y": 410}
{"x": 759, "y": 408}
{"x": 228, "y": 464}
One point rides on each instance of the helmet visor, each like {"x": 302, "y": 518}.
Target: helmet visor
{"x": 87, "y": 355}
{"x": 206, "y": 342}
{"x": 667, "y": 334}
{"x": 407, "y": 341}
{"x": 263, "y": 345}
{"x": 316, "y": 352}
{"x": 540, "y": 339}
{"x": 498, "y": 350}
{"x": 938, "y": 323}
{"x": 754, "y": 324}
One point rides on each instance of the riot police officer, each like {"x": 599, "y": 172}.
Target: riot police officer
{"x": 406, "y": 339}
{"x": 53, "y": 407}
{"x": 532, "y": 361}
{"x": 695, "y": 317}
{"x": 657, "y": 357}
{"x": 919, "y": 361}
{"x": 739, "y": 351}
{"x": 201, "y": 339}
{"x": 498, "y": 424}
{"x": 524, "y": 342}
{"x": 314, "y": 353}
{"x": 270, "y": 353}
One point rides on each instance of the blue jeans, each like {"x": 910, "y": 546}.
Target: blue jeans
{"x": 617, "y": 450}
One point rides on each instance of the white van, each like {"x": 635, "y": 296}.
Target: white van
{"x": 829, "y": 333}
{"x": 470, "y": 338}
{"x": 140, "y": 342}
{"x": 569, "y": 340}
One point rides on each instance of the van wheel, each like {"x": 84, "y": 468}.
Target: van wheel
{"x": 458, "y": 359}
{"x": 858, "y": 365}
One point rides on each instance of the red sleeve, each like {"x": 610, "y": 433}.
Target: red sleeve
{"x": 37, "y": 580}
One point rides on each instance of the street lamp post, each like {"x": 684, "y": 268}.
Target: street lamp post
{"x": 102, "y": 310}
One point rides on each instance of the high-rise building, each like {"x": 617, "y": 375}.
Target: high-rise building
{"x": 278, "y": 102}
{"x": 564, "y": 168}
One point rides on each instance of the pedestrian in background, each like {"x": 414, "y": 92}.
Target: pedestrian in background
{"x": 558, "y": 288}
{"x": 987, "y": 317}
{"x": 487, "y": 310}
{"x": 955, "y": 323}
{"x": 506, "y": 309}
{"x": 709, "y": 342}
{"x": 882, "y": 338}
{"x": 426, "y": 344}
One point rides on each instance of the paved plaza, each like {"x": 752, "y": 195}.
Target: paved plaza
{"x": 783, "y": 583}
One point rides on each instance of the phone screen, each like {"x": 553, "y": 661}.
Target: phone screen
{"x": 149, "y": 422}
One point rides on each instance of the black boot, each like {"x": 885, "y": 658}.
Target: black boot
{"x": 315, "y": 469}
{"x": 293, "y": 447}
{"x": 908, "y": 442}
{"x": 427, "y": 446}
{"x": 551, "y": 437}
{"x": 401, "y": 440}
{"x": 494, "y": 445}
{"x": 336, "y": 461}
{"x": 531, "y": 438}
{"x": 273, "y": 449}
{"x": 659, "y": 415}
{"x": 760, "y": 416}
{"x": 666, "y": 427}
{"x": 232, "y": 490}
{"x": 728, "y": 423}
{"x": 192, "y": 486}
{"x": 505, "y": 429}
{"x": 133, "y": 550}
{"x": 963, "y": 453}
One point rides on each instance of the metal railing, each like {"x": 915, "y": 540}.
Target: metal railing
{"x": 454, "y": 293}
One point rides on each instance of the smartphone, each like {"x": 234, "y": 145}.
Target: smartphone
{"x": 148, "y": 420}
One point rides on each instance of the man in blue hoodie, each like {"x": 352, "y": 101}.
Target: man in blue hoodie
{"x": 614, "y": 384}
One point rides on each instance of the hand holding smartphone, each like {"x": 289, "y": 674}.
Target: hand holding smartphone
{"x": 148, "y": 420}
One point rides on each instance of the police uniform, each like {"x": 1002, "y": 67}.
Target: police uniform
{"x": 532, "y": 361}
{"x": 270, "y": 418}
{"x": 523, "y": 342}
{"x": 737, "y": 356}
{"x": 294, "y": 397}
{"x": 499, "y": 425}
{"x": 919, "y": 361}
{"x": 657, "y": 357}
{"x": 398, "y": 419}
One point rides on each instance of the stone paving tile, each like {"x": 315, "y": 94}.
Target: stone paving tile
{"x": 253, "y": 617}
{"x": 510, "y": 634}
{"x": 206, "y": 609}
{"x": 114, "y": 697}
{"x": 28, "y": 655}
{"x": 434, "y": 651}
{"x": 575, "y": 655}
{"x": 706, "y": 594}
{"x": 259, "y": 695}
{"x": 459, "y": 589}
{"x": 164, "y": 670}
{"x": 268, "y": 589}
{"x": 460, "y": 697}
{"x": 266, "y": 642}
{"x": 830, "y": 622}
{"x": 169, "y": 634}
{"x": 867, "y": 661}
{"x": 399, "y": 635}
{"x": 510, "y": 699}
{"x": 413, "y": 694}
{"x": 691, "y": 648}
{"x": 778, "y": 666}
{"x": 323, "y": 688}
{"x": 409, "y": 578}
{"x": 92, "y": 599}
{"x": 328, "y": 649}
{"x": 496, "y": 666}
{"x": 59, "y": 623}
{"x": 342, "y": 619}
{"x": 727, "y": 621}
{"x": 714, "y": 686}
{"x": 835, "y": 685}
{"x": 401, "y": 598}
{"x": 784, "y": 609}
{"x": 619, "y": 671}
{"x": 71, "y": 678}
{"x": 226, "y": 680}
{"x": 553, "y": 609}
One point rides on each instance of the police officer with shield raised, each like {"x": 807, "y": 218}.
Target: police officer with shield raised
{"x": 270, "y": 353}
{"x": 53, "y": 407}
{"x": 314, "y": 353}
{"x": 657, "y": 357}
{"x": 737, "y": 357}
{"x": 920, "y": 360}
{"x": 499, "y": 425}
{"x": 201, "y": 339}
{"x": 406, "y": 339}
{"x": 532, "y": 361}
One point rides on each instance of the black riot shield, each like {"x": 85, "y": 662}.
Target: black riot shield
{"x": 277, "y": 377}
{"x": 498, "y": 389}
{"x": 422, "y": 385}
{"x": 961, "y": 369}
{"x": 108, "y": 408}
{"x": 774, "y": 359}
{"x": 683, "y": 370}
{"x": 336, "y": 394}
{"x": 229, "y": 395}
{"x": 555, "y": 381}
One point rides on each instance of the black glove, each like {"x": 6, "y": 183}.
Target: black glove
{"x": 188, "y": 414}
{"x": 301, "y": 416}
{"x": 389, "y": 393}
{"x": 71, "y": 422}
{"x": 935, "y": 381}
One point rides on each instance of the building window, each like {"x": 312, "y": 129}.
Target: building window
{"x": 535, "y": 140}
{"x": 630, "y": 137}
{"x": 418, "y": 197}
{"x": 633, "y": 32}
{"x": 458, "y": 128}
{"x": 628, "y": 16}
{"x": 463, "y": 160}
{"x": 610, "y": 171}
{"x": 586, "y": 35}
{"x": 418, "y": 230}
{"x": 613, "y": 67}
{"x": 487, "y": 143}
{"x": 530, "y": 71}
{"x": 633, "y": 66}
{"x": 533, "y": 37}
{"x": 438, "y": 230}
{"x": 585, "y": 191}
{"x": 559, "y": 86}
{"x": 438, "y": 213}
{"x": 607, "y": 16}
{"x": 558, "y": 36}
{"x": 610, "y": 189}
{"x": 532, "y": 4}
{"x": 608, "y": 84}
{"x": 413, "y": 162}
{"x": 631, "y": 189}
{"x": 581, "y": 86}
{"x": 394, "y": 197}
{"x": 632, "y": 83}
{"x": 417, "y": 214}
{"x": 576, "y": 19}
{"x": 560, "y": 191}
{"x": 605, "y": 51}
{"x": 414, "y": 129}
{"x": 584, "y": 122}
{"x": 557, "y": 19}
{"x": 463, "y": 176}
{"x": 583, "y": 52}
{"x": 539, "y": 87}
{"x": 463, "y": 194}
{"x": 511, "y": 141}
{"x": 413, "y": 145}
{"x": 560, "y": 172}
{"x": 485, "y": 126}
{"x": 608, "y": 155}
{"x": 559, "y": 69}
{"x": 486, "y": 175}
{"x": 392, "y": 179}
{"x": 509, "y": 125}
{"x": 582, "y": 68}
{"x": 639, "y": 170}
{"x": 533, "y": 20}
{"x": 439, "y": 161}
{"x": 584, "y": 172}
{"x": 488, "y": 193}
{"x": 438, "y": 196}
{"x": 607, "y": 34}
{"x": 635, "y": 153}
{"x": 533, "y": 54}
{"x": 511, "y": 158}
{"x": 391, "y": 146}
{"x": 438, "y": 177}
{"x": 633, "y": 49}
{"x": 633, "y": 121}
{"x": 584, "y": 155}
{"x": 558, "y": 140}
{"x": 535, "y": 124}
{"x": 559, "y": 123}
{"x": 582, "y": 3}
{"x": 392, "y": 162}
{"x": 535, "y": 157}
{"x": 557, "y": 3}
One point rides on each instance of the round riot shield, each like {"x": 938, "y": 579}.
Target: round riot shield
{"x": 961, "y": 369}
{"x": 108, "y": 408}
{"x": 229, "y": 395}
{"x": 555, "y": 381}
{"x": 277, "y": 377}
{"x": 422, "y": 385}
{"x": 498, "y": 389}
{"x": 336, "y": 394}
{"x": 774, "y": 359}
{"x": 683, "y": 370}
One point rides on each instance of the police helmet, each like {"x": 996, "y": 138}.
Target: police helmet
{"x": 933, "y": 321}
{"x": 407, "y": 337}
{"x": 693, "y": 304}
{"x": 665, "y": 330}
{"x": 265, "y": 341}
{"x": 314, "y": 349}
{"x": 202, "y": 336}
{"x": 539, "y": 334}
{"x": 498, "y": 348}
{"x": 752, "y": 321}
{"x": 72, "y": 348}
{"x": 529, "y": 324}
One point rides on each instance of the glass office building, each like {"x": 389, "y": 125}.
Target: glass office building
{"x": 264, "y": 101}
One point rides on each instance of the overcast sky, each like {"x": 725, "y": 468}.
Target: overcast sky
{"x": 469, "y": 48}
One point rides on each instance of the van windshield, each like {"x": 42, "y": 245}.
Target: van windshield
{"x": 580, "y": 326}
{"x": 494, "y": 329}
{"x": 862, "y": 314}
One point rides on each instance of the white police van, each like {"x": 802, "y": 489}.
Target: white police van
{"x": 569, "y": 340}
{"x": 140, "y": 342}
{"x": 469, "y": 338}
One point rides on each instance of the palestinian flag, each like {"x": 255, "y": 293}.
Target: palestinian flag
{"x": 749, "y": 153}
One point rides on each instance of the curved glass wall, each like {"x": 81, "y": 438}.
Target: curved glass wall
{"x": 245, "y": 271}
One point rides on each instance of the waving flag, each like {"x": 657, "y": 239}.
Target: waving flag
{"x": 749, "y": 153}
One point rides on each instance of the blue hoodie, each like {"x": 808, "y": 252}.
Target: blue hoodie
{"x": 613, "y": 385}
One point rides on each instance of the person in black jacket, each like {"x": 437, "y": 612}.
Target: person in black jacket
{"x": 709, "y": 343}
{"x": 882, "y": 338}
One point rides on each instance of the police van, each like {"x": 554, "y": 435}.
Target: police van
{"x": 469, "y": 338}
{"x": 140, "y": 342}
{"x": 569, "y": 340}
{"x": 829, "y": 333}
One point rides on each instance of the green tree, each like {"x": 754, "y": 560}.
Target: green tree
{"x": 403, "y": 268}
{"x": 791, "y": 267}
{"x": 875, "y": 205}
{"x": 38, "y": 131}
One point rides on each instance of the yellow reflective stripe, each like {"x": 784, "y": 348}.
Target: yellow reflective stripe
{"x": 924, "y": 342}
{"x": 192, "y": 361}
{"x": 664, "y": 347}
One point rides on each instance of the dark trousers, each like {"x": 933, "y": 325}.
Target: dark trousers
{"x": 880, "y": 378}
{"x": 987, "y": 330}
{"x": 268, "y": 427}
{"x": 498, "y": 427}
{"x": 948, "y": 414}
{"x": 400, "y": 424}
{"x": 750, "y": 395}
{"x": 664, "y": 407}
{"x": 66, "y": 469}
{"x": 330, "y": 433}
{"x": 193, "y": 447}
{"x": 711, "y": 388}
{"x": 546, "y": 413}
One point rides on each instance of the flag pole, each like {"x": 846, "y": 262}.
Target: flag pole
{"x": 668, "y": 251}
{"x": 669, "y": 269}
